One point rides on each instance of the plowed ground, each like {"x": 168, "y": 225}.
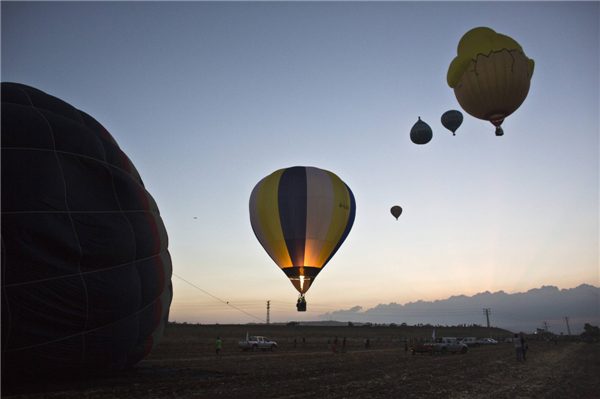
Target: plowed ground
{"x": 180, "y": 370}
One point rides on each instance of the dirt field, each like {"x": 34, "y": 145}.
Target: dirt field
{"x": 184, "y": 365}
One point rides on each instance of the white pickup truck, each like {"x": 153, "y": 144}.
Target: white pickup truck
{"x": 254, "y": 343}
{"x": 443, "y": 346}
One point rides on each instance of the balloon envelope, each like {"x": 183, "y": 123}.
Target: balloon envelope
{"x": 396, "y": 211}
{"x": 452, "y": 120}
{"x": 86, "y": 274}
{"x": 301, "y": 216}
{"x": 421, "y": 132}
{"x": 490, "y": 75}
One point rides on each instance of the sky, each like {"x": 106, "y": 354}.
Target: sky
{"x": 207, "y": 98}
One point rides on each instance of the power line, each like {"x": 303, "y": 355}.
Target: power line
{"x": 225, "y": 302}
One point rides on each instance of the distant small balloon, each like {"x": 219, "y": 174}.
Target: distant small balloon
{"x": 421, "y": 132}
{"x": 396, "y": 211}
{"x": 452, "y": 120}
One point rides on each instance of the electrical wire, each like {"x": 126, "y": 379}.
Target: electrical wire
{"x": 218, "y": 299}
{"x": 277, "y": 305}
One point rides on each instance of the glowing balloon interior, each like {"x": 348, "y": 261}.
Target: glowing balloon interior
{"x": 301, "y": 216}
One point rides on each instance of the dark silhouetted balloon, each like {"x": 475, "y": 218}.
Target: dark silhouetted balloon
{"x": 86, "y": 274}
{"x": 421, "y": 132}
{"x": 301, "y": 216}
{"x": 452, "y": 120}
{"x": 396, "y": 211}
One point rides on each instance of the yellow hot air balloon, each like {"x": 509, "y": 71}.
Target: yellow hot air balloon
{"x": 490, "y": 75}
{"x": 301, "y": 216}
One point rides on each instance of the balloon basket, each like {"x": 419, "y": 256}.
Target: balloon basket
{"x": 301, "y": 307}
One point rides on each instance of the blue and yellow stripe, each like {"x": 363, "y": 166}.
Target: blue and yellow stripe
{"x": 301, "y": 216}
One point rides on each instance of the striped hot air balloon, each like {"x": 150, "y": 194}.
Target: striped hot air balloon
{"x": 301, "y": 216}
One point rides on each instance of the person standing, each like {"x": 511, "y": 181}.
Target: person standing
{"x": 303, "y": 342}
{"x": 524, "y": 348}
{"x": 518, "y": 347}
{"x": 344, "y": 345}
{"x": 218, "y": 345}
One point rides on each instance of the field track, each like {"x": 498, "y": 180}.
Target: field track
{"x": 186, "y": 366}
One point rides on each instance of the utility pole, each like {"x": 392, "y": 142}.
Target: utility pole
{"x": 268, "y": 307}
{"x": 568, "y": 328}
{"x": 487, "y": 312}
{"x": 546, "y": 326}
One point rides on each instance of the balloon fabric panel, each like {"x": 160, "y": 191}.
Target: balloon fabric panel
{"x": 494, "y": 87}
{"x": 480, "y": 41}
{"x": 31, "y": 128}
{"x": 269, "y": 222}
{"x": 339, "y": 220}
{"x": 320, "y": 197}
{"x": 256, "y": 224}
{"x": 292, "y": 207}
{"x": 349, "y": 222}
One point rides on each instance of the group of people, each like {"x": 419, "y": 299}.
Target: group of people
{"x": 520, "y": 347}
{"x": 335, "y": 345}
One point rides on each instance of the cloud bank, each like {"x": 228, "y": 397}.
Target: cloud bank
{"x": 523, "y": 311}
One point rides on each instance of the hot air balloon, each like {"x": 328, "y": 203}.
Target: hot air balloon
{"x": 396, "y": 211}
{"x": 421, "y": 132}
{"x": 86, "y": 274}
{"x": 452, "y": 120}
{"x": 490, "y": 75}
{"x": 301, "y": 216}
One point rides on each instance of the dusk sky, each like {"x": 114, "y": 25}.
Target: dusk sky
{"x": 207, "y": 98}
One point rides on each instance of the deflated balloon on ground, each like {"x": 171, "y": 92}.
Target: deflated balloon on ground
{"x": 86, "y": 274}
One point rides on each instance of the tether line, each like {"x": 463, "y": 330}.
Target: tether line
{"x": 218, "y": 299}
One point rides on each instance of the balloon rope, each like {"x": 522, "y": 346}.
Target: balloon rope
{"x": 226, "y": 303}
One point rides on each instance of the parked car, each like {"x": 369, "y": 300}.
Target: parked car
{"x": 508, "y": 340}
{"x": 470, "y": 341}
{"x": 487, "y": 341}
{"x": 255, "y": 343}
